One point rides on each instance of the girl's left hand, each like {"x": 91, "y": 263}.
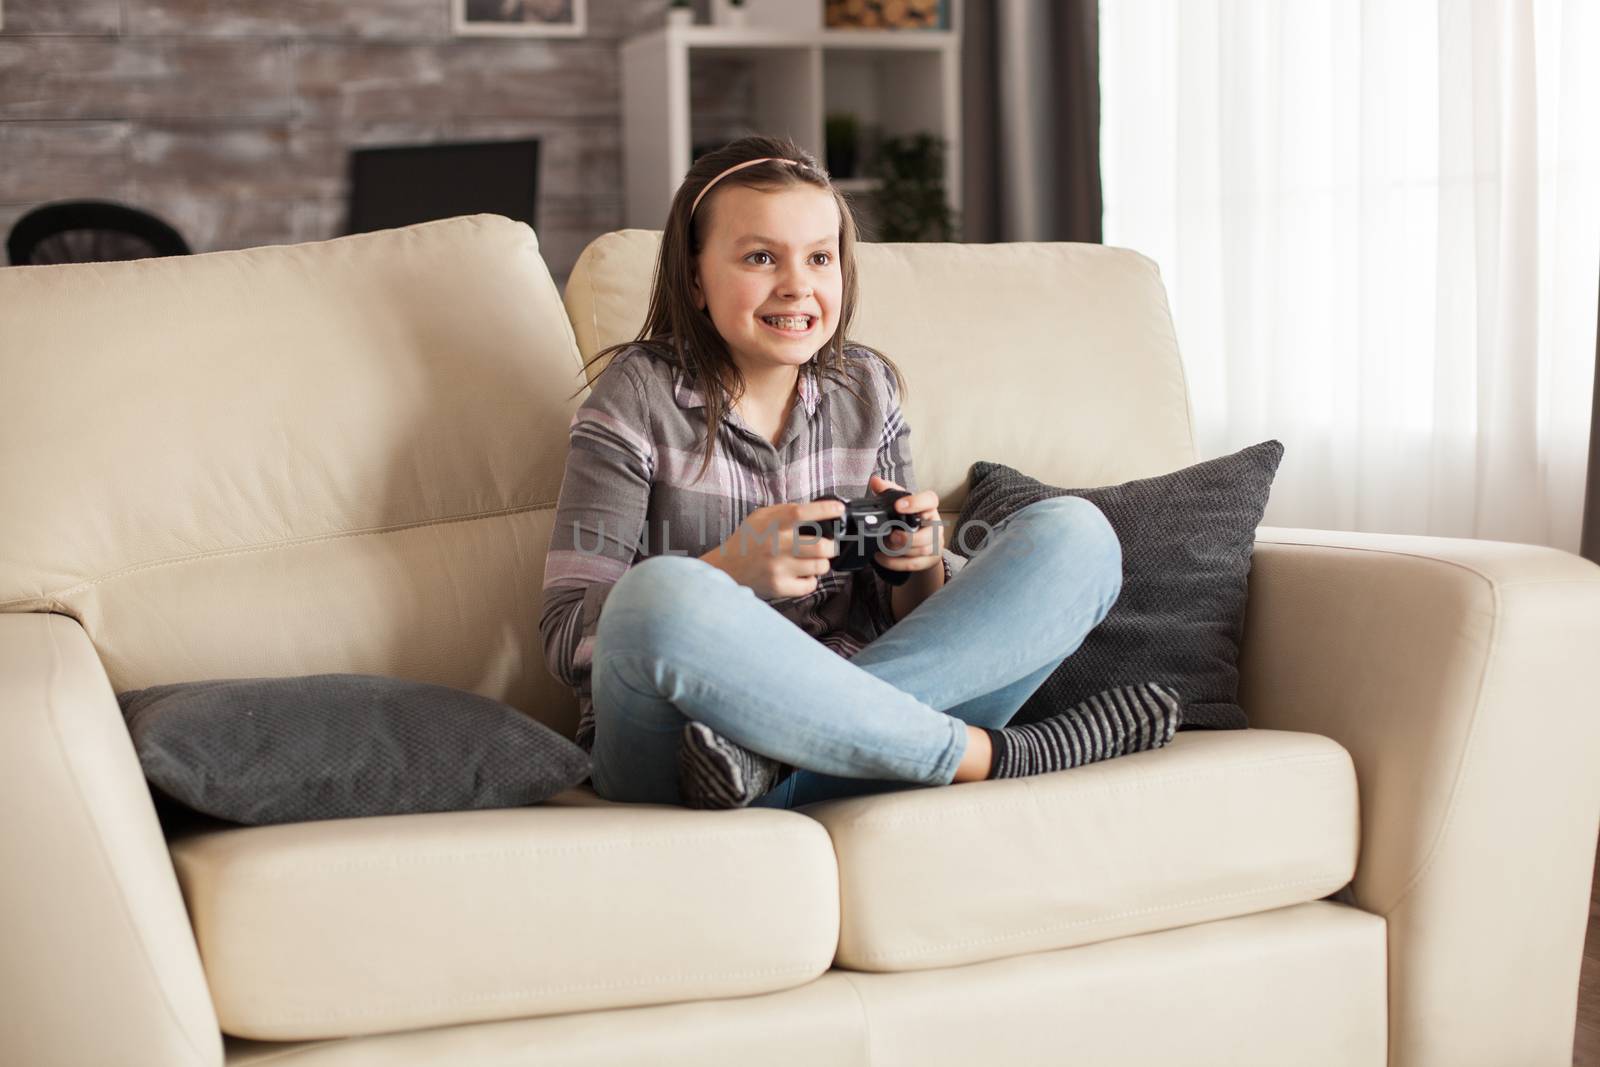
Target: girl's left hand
{"x": 913, "y": 550}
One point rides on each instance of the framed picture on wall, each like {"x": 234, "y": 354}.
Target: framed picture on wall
{"x": 518, "y": 18}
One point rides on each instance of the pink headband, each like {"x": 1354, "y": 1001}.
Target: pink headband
{"x": 730, "y": 170}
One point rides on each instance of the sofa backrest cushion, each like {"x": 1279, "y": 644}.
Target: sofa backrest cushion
{"x": 332, "y": 457}
{"x": 1057, "y": 359}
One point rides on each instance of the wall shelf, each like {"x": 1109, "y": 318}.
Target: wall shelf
{"x": 897, "y": 81}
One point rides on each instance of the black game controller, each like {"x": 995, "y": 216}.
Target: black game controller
{"x": 862, "y": 529}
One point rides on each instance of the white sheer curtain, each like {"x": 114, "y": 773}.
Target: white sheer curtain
{"x": 1379, "y": 227}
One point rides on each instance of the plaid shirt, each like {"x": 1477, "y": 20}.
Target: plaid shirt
{"x": 630, "y": 492}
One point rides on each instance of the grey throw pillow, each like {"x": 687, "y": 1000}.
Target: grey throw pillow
{"x": 336, "y": 746}
{"x": 1186, "y": 540}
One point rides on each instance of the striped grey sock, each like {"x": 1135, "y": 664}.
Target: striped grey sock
{"x": 714, "y": 772}
{"x": 1127, "y": 718}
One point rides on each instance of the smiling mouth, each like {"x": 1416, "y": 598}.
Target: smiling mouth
{"x": 793, "y": 324}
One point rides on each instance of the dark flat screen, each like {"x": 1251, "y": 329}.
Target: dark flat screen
{"x": 397, "y": 186}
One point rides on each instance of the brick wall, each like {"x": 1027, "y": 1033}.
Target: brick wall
{"x": 232, "y": 119}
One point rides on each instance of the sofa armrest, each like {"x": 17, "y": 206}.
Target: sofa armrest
{"x": 100, "y": 964}
{"x": 1457, "y": 673}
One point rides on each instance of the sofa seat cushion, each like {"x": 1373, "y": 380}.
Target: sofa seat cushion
{"x": 1216, "y": 824}
{"x": 359, "y": 926}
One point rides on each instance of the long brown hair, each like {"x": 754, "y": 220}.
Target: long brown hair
{"x": 678, "y": 331}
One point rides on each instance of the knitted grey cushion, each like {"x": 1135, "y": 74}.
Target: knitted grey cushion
{"x": 335, "y": 746}
{"x": 1186, "y": 543}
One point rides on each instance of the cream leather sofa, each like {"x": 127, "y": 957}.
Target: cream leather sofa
{"x": 344, "y": 456}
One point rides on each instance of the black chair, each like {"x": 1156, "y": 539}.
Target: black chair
{"x": 90, "y": 231}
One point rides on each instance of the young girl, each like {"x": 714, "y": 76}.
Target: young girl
{"x": 719, "y": 661}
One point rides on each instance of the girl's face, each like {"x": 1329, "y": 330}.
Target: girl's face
{"x": 769, "y": 273}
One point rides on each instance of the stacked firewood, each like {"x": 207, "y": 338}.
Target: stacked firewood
{"x": 884, "y": 14}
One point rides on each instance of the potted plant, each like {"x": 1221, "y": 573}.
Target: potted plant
{"x": 728, "y": 12}
{"x": 910, "y": 203}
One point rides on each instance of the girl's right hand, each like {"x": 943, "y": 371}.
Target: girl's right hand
{"x": 772, "y": 557}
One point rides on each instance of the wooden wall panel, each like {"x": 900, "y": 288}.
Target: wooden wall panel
{"x": 235, "y": 121}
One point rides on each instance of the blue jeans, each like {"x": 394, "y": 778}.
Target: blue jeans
{"x": 679, "y": 639}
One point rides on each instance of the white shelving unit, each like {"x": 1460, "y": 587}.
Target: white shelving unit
{"x": 902, "y": 81}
